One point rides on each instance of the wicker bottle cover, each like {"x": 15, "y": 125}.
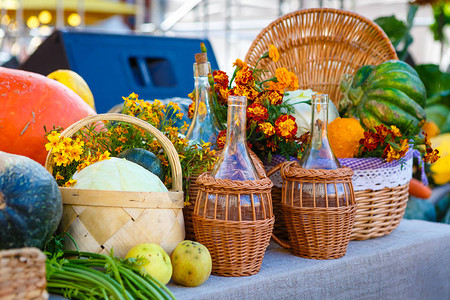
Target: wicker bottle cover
{"x": 233, "y": 214}
{"x": 318, "y": 198}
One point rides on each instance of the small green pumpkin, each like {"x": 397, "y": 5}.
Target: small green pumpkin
{"x": 144, "y": 158}
{"x": 390, "y": 94}
{"x": 30, "y": 203}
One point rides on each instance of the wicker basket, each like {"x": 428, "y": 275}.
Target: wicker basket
{"x": 22, "y": 274}
{"x": 379, "y": 212}
{"x": 318, "y": 227}
{"x": 237, "y": 246}
{"x": 320, "y": 45}
{"x": 193, "y": 191}
{"x": 100, "y": 221}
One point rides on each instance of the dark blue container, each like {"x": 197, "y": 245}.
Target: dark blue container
{"x": 115, "y": 65}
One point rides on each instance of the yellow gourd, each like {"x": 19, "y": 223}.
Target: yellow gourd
{"x": 344, "y": 135}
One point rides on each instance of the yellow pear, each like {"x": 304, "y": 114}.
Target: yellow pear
{"x": 74, "y": 82}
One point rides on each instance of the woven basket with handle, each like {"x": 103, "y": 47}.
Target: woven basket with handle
{"x": 22, "y": 274}
{"x": 102, "y": 221}
{"x": 320, "y": 45}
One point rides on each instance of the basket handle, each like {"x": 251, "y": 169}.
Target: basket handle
{"x": 162, "y": 139}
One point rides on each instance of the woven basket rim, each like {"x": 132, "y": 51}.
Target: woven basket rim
{"x": 206, "y": 180}
{"x": 292, "y": 170}
{"x": 167, "y": 145}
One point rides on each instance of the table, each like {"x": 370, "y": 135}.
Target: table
{"x": 413, "y": 262}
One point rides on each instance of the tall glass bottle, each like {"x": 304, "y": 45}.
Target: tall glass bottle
{"x": 204, "y": 126}
{"x": 318, "y": 154}
{"x": 235, "y": 163}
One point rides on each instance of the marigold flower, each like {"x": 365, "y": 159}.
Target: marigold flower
{"x": 257, "y": 112}
{"x": 221, "y": 139}
{"x": 59, "y": 176}
{"x": 432, "y": 156}
{"x": 275, "y": 97}
{"x": 246, "y": 91}
{"x": 273, "y": 53}
{"x": 180, "y": 115}
{"x": 70, "y": 183}
{"x": 239, "y": 64}
{"x": 390, "y": 154}
{"x": 244, "y": 77}
{"x": 122, "y": 139}
{"x": 395, "y": 131}
{"x": 220, "y": 78}
{"x": 285, "y": 126}
{"x": 267, "y": 128}
{"x": 370, "y": 141}
{"x": 60, "y": 159}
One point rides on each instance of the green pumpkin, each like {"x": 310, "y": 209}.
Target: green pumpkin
{"x": 30, "y": 203}
{"x": 145, "y": 159}
{"x": 390, "y": 94}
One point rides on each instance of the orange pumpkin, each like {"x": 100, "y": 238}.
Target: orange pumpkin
{"x": 28, "y": 101}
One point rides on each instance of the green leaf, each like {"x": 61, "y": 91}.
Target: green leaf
{"x": 394, "y": 28}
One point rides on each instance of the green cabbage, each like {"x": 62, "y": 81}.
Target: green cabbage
{"x": 118, "y": 174}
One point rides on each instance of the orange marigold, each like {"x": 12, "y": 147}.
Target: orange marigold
{"x": 221, "y": 139}
{"x": 285, "y": 126}
{"x": 266, "y": 128}
{"x": 273, "y": 53}
{"x": 244, "y": 77}
{"x": 257, "y": 113}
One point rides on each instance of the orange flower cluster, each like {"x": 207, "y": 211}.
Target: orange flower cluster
{"x": 390, "y": 144}
{"x": 270, "y": 128}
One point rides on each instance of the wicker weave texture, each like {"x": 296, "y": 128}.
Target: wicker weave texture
{"x": 320, "y": 45}
{"x": 193, "y": 191}
{"x": 234, "y": 220}
{"x": 319, "y": 210}
{"x": 22, "y": 274}
{"x": 379, "y": 212}
{"x": 102, "y": 221}
{"x": 237, "y": 248}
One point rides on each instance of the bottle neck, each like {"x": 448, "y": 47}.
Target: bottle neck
{"x": 319, "y": 155}
{"x": 319, "y": 122}
{"x": 236, "y": 128}
{"x": 202, "y": 69}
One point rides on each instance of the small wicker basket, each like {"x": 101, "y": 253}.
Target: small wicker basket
{"x": 193, "y": 191}
{"x": 22, "y": 274}
{"x": 236, "y": 234}
{"x": 102, "y": 221}
{"x": 319, "y": 210}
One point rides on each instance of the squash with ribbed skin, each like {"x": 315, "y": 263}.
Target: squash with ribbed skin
{"x": 30, "y": 203}
{"x": 390, "y": 94}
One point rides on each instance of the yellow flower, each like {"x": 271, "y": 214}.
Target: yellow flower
{"x": 174, "y": 106}
{"x": 60, "y": 159}
{"x": 396, "y": 131}
{"x": 53, "y": 145}
{"x": 179, "y": 115}
{"x": 267, "y": 128}
{"x": 70, "y": 183}
{"x": 53, "y": 136}
{"x": 104, "y": 156}
{"x": 273, "y": 53}
{"x": 59, "y": 176}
